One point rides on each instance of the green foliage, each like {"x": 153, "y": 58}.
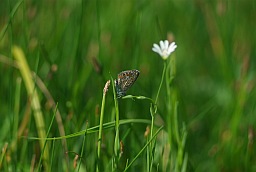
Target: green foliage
{"x": 206, "y": 101}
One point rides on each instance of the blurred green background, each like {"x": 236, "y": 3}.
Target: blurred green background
{"x": 74, "y": 46}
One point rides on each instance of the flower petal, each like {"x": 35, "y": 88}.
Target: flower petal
{"x": 156, "y": 49}
{"x": 164, "y": 49}
{"x": 162, "y": 45}
{"x": 172, "y": 47}
{"x": 166, "y": 44}
{"x": 156, "y": 46}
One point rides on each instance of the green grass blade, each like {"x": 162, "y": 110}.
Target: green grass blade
{"x": 35, "y": 103}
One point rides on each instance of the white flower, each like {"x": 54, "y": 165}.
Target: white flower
{"x": 165, "y": 49}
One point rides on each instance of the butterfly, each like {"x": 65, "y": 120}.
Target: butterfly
{"x": 125, "y": 80}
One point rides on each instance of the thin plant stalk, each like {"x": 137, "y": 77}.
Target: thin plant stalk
{"x": 116, "y": 143}
{"x": 12, "y": 14}
{"x": 161, "y": 83}
{"x": 35, "y": 103}
{"x": 3, "y": 154}
{"x": 148, "y": 156}
{"x": 95, "y": 129}
{"x": 50, "y": 126}
{"x": 169, "y": 76}
{"x": 140, "y": 152}
{"x": 82, "y": 151}
{"x": 52, "y": 156}
{"x": 153, "y": 110}
{"x": 16, "y": 114}
{"x": 101, "y": 125}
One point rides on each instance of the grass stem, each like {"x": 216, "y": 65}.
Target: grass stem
{"x": 101, "y": 125}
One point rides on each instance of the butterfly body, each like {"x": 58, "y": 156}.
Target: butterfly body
{"x": 125, "y": 80}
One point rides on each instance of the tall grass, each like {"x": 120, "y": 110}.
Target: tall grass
{"x": 193, "y": 112}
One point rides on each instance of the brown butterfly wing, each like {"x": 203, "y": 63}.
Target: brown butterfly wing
{"x": 127, "y": 78}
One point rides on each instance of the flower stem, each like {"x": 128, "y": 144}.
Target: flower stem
{"x": 161, "y": 83}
